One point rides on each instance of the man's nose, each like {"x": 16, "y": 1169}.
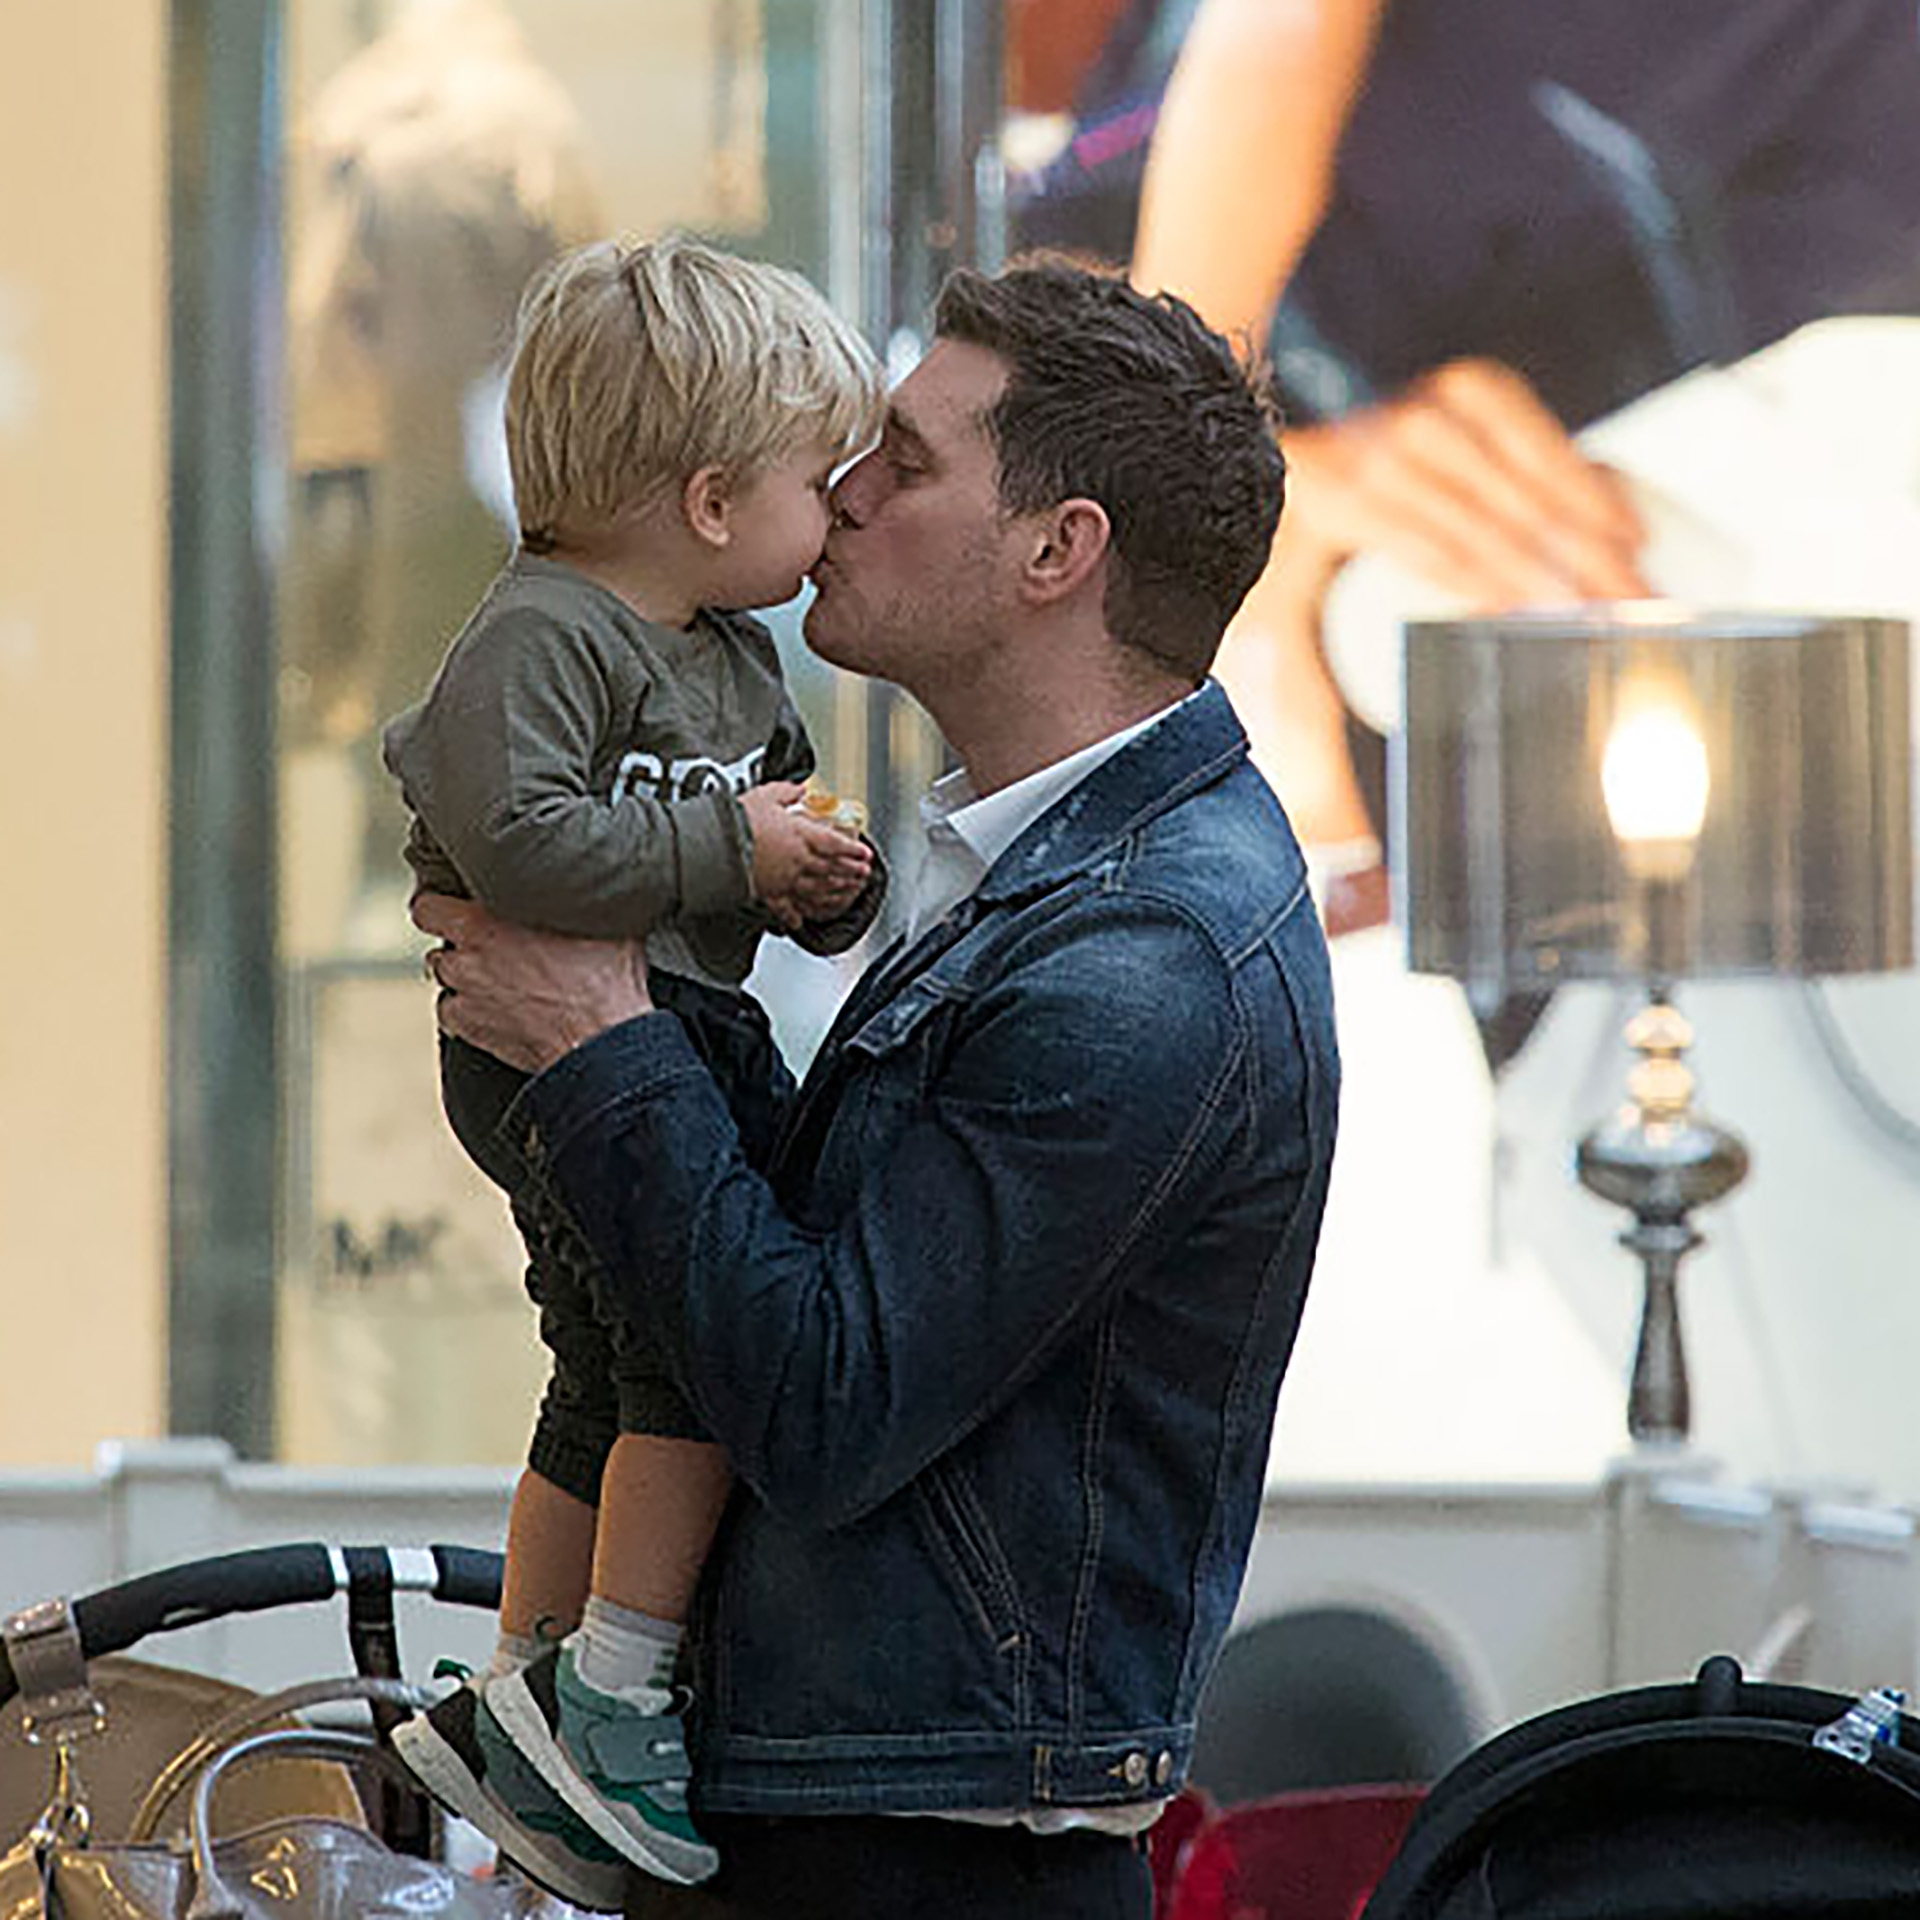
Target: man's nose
{"x": 848, "y": 493}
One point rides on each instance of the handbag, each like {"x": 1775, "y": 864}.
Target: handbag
{"x": 300, "y": 1867}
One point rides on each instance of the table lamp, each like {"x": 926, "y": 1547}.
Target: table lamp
{"x": 1641, "y": 792}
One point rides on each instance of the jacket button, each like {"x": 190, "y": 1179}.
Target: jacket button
{"x": 1163, "y": 1770}
{"x": 1135, "y": 1769}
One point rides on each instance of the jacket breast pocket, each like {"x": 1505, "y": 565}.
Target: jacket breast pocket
{"x": 907, "y": 1016}
{"x": 880, "y": 1078}
{"x": 901, "y": 1046}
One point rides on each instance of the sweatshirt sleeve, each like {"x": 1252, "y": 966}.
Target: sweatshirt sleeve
{"x": 499, "y": 764}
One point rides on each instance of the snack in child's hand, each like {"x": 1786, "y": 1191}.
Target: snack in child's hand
{"x": 850, "y": 816}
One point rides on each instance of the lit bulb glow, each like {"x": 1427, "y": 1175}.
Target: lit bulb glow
{"x": 1655, "y": 778}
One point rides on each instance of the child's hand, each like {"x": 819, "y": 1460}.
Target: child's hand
{"x": 803, "y": 867}
{"x": 831, "y": 894}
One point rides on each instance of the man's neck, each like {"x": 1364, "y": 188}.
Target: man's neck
{"x": 1002, "y": 734}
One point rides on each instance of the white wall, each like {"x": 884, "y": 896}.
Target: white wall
{"x": 1530, "y": 1596}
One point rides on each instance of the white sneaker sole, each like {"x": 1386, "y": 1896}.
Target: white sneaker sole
{"x": 685, "y": 1863}
{"x": 439, "y": 1768}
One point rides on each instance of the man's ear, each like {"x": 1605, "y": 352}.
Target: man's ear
{"x": 1068, "y": 544}
{"x": 706, "y": 502}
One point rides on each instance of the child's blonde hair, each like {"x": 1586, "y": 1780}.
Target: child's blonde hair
{"x": 636, "y": 365}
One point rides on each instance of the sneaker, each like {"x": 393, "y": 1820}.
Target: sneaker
{"x": 621, "y": 1769}
{"x": 458, "y": 1753}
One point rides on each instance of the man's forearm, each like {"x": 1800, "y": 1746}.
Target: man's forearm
{"x": 984, "y": 1220}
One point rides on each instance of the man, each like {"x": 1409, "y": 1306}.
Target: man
{"x": 994, "y": 1343}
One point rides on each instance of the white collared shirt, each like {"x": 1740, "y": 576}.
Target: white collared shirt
{"x": 966, "y": 835}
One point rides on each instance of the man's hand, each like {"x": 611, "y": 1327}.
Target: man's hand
{"x": 1467, "y": 479}
{"x": 804, "y": 867}
{"x": 526, "y": 997}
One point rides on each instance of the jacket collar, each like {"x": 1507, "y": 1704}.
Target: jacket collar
{"x": 1197, "y": 743}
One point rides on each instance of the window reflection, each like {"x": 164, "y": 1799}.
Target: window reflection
{"x": 439, "y": 152}
{"x": 436, "y": 167}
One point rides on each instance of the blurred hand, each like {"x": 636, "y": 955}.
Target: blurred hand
{"x": 1468, "y": 480}
{"x": 827, "y": 895}
{"x": 1353, "y": 902}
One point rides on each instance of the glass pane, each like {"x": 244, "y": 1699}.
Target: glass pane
{"x": 438, "y": 152}
{"x": 1678, "y": 256}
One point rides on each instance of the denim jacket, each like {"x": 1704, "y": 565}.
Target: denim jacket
{"x": 995, "y": 1342}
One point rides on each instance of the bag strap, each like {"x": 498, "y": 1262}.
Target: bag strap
{"x": 250, "y": 1717}
{"x": 42, "y": 1649}
{"x": 213, "y": 1899}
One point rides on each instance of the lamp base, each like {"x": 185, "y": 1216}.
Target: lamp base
{"x": 1660, "y": 1159}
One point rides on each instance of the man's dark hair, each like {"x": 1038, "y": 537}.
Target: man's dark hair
{"x": 1132, "y": 400}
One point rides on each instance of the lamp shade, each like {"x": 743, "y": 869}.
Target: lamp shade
{"x": 1557, "y": 771}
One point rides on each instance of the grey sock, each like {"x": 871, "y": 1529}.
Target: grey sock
{"x": 620, "y": 1651}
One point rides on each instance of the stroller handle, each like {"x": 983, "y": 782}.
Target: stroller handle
{"x": 259, "y": 1578}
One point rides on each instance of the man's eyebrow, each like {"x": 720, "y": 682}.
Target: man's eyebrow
{"x": 902, "y": 428}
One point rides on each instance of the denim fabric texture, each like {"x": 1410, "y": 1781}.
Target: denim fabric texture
{"x": 995, "y": 1342}
{"x": 609, "y": 1375}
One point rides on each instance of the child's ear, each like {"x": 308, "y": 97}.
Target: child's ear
{"x": 707, "y": 502}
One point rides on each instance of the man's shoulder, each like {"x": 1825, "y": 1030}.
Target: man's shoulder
{"x": 1225, "y": 854}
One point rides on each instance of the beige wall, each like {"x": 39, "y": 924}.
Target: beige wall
{"x": 82, "y": 725}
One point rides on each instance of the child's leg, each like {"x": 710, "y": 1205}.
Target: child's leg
{"x": 550, "y": 1529}
{"x": 660, "y": 1506}
{"x": 549, "y": 1557}
{"x": 600, "y": 1718}
{"x": 457, "y": 1748}
{"x": 555, "y": 1513}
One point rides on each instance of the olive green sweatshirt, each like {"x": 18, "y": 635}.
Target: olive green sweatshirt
{"x": 578, "y": 768}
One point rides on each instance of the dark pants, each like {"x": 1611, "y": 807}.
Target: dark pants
{"x": 846, "y": 1867}
{"x": 608, "y": 1376}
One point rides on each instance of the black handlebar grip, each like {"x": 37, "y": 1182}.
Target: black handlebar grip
{"x": 186, "y": 1596}
{"x": 469, "y": 1577}
{"x": 252, "y": 1581}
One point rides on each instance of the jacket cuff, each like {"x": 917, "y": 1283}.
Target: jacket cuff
{"x": 614, "y": 1071}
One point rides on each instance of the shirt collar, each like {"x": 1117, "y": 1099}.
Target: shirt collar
{"x": 966, "y": 833}
{"x": 989, "y": 826}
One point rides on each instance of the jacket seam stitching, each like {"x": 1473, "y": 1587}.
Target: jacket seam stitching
{"x": 1090, "y": 1452}
{"x": 618, "y": 1104}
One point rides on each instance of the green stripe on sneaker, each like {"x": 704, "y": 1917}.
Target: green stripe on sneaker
{"x": 574, "y": 1834}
